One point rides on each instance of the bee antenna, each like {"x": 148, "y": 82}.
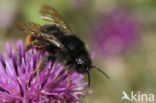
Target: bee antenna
{"x": 88, "y": 78}
{"x": 100, "y": 71}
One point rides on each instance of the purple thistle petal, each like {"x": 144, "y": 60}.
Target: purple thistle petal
{"x": 52, "y": 85}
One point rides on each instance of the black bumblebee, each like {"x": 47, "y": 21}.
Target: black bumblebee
{"x": 59, "y": 41}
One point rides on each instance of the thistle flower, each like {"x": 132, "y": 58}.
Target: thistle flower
{"x": 52, "y": 85}
{"x": 116, "y": 33}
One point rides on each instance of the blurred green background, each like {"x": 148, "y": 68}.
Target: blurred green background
{"x": 133, "y": 70}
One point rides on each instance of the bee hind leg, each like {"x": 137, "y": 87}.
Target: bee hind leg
{"x": 36, "y": 44}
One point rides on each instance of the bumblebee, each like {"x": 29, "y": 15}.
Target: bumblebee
{"x": 59, "y": 41}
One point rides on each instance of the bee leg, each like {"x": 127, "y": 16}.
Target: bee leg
{"x": 40, "y": 68}
{"x": 43, "y": 63}
{"x": 36, "y": 44}
{"x": 29, "y": 47}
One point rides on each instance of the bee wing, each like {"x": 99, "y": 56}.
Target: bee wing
{"x": 50, "y": 14}
{"x": 51, "y": 39}
{"x": 34, "y": 29}
{"x": 28, "y": 27}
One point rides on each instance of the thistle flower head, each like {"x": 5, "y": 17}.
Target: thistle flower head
{"x": 52, "y": 85}
{"x": 116, "y": 33}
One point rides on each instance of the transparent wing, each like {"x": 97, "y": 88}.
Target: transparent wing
{"x": 51, "y": 39}
{"x": 28, "y": 27}
{"x": 50, "y": 14}
{"x": 34, "y": 29}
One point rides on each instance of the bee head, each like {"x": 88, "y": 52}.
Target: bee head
{"x": 83, "y": 62}
{"x": 84, "y": 66}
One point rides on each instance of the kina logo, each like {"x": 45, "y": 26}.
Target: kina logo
{"x": 138, "y": 97}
